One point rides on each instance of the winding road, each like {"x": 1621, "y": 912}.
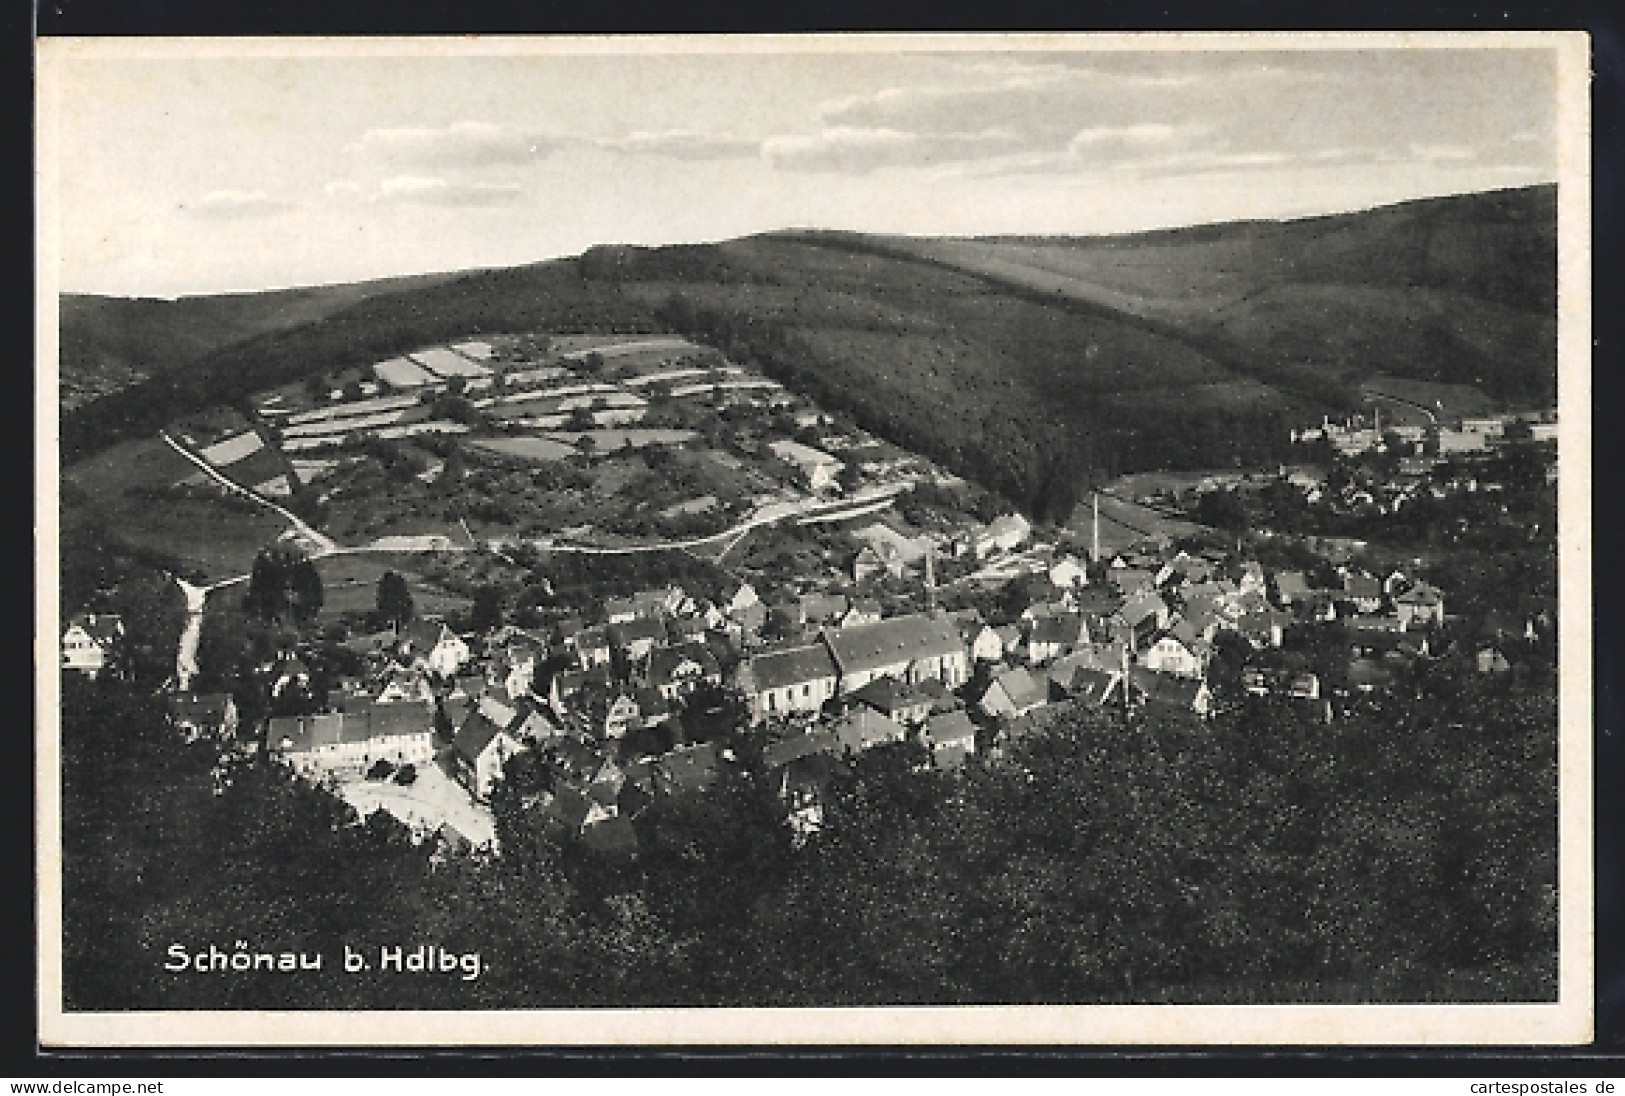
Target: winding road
{"x": 805, "y": 512}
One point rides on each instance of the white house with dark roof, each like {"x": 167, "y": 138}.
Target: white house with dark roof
{"x": 797, "y": 679}
{"x": 438, "y": 648}
{"x": 347, "y": 743}
{"x": 911, "y": 648}
{"x": 480, "y": 752}
{"x": 951, "y": 738}
{"x": 1174, "y": 653}
{"x": 818, "y": 469}
{"x": 1004, "y": 534}
{"x": 88, "y": 642}
{"x": 677, "y": 671}
{"x": 1420, "y": 606}
{"x": 1015, "y": 693}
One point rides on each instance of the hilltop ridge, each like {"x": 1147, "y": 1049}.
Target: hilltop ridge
{"x": 1033, "y": 365}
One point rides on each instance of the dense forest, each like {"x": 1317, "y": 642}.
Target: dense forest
{"x": 1404, "y": 853}
{"x": 1033, "y": 367}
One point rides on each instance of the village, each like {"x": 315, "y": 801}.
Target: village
{"x": 891, "y": 605}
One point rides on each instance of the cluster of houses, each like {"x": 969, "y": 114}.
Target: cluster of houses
{"x": 1146, "y": 634}
{"x": 1467, "y": 434}
{"x": 603, "y": 706}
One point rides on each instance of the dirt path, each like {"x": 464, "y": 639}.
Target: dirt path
{"x": 321, "y": 540}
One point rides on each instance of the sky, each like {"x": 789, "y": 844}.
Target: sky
{"x": 180, "y": 173}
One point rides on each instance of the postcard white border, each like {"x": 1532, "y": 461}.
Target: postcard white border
{"x": 1567, "y": 1022}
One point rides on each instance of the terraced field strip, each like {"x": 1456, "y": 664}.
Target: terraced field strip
{"x": 321, "y": 540}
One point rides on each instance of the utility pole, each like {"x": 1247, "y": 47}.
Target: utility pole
{"x": 1094, "y": 545}
{"x": 930, "y": 577}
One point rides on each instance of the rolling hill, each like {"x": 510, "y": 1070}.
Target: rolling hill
{"x": 109, "y": 343}
{"x": 1030, "y": 365}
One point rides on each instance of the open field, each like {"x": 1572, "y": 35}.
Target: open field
{"x": 1124, "y": 523}
{"x": 217, "y": 536}
{"x": 147, "y": 462}
{"x": 612, "y": 346}
{"x": 350, "y": 585}
{"x": 609, "y": 441}
{"x": 544, "y": 449}
{"x": 1445, "y": 400}
{"x": 448, "y": 363}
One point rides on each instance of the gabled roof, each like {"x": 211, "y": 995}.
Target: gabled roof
{"x": 1166, "y": 688}
{"x": 426, "y": 635}
{"x": 200, "y": 708}
{"x": 889, "y": 695}
{"x": 1292, "y": 584}
{"x": 592, "y": 638}
{"x": 899, "y": 640}
{"x": 789, "y": 749}
{"x": 1260, "y": 623}
{"x": 1141, "y": 607}
{"x": 620, "y": 606}
{"x": 474, "y": 736}
{"x": 864, "y": 727}
{"x": 1090, "y": 686}
{"x": 820, "y": 606}
{"x": 104, "y": 628}
{"x": 948, "y": 728}
{"x": 1068, "y": 628}
{"x": 1185, "y": 632}
{"x": 652, "y": 600}
{"x": 667, "y": 660}
{"x": 1096, "y": 600}
{"x": 299, "y": 733}
{"x": 1361, "y": 586}
{"x": 393, "y": 720}
{"x": 792, "y": 666}
{"x": 643, "y": 628}
{"x": 575, "y": 758}
{"x": 1130, "y": 579}
{"x": 1023, "y": 689}
{"x": 1422, "y": 594}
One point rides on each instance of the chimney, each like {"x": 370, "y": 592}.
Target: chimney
{"x": 930, "y": 577}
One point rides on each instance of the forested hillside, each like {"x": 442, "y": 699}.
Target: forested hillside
{"x": 111, "y": 342}
{"x": 1034, "y": 366}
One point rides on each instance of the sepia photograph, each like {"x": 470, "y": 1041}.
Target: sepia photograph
{"x": 827, "y": 539}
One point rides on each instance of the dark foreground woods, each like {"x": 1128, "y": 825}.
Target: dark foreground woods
{"x": 1406, "y": 852}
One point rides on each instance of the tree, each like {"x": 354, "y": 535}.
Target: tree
{"x": 487, "y": 612}
{"x": 284, "y": 583}
{"x": 305, "y": 593}
{"x": 1222, "y": 510}
{"x": 394, "y": 600}
{"x": 712, "y": 712}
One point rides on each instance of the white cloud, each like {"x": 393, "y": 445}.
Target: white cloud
{"x": 420, "y": 190}
{"x": 859, "y": 149}
{"x": 1444, "y": 152}
{"x": 683, "y": 144}
{"x": 460, "y": 144}
{"x": 1143, "y": 133}
{"x": 236, "y": 205}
